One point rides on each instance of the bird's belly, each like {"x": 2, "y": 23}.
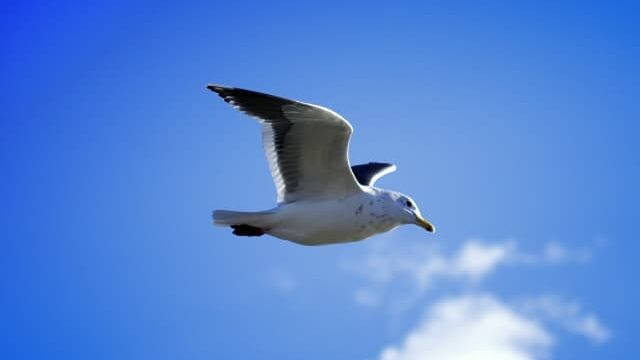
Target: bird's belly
{"x": 320, "y": 234}
{"x": 327, "y": 224}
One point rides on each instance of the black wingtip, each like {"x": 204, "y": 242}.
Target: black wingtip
{"x": 217, "y": 88}
{"x": 223, "y": 91}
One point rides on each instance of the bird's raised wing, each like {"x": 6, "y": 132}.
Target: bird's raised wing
{"x": 368, "y": 174}
{"x": 306, "y": 145}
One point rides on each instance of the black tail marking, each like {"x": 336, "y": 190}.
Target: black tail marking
{"x": 246, "y": 230}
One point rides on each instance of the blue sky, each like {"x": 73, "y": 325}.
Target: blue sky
{"x": 514, "y": 127}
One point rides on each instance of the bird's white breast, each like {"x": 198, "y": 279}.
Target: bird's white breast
{"x": 333, "y": 221}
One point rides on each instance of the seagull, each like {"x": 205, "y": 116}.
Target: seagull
{"x": 321, "y": 198}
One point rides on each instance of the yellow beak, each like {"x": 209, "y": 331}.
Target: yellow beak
{"x": 425, "y": 224}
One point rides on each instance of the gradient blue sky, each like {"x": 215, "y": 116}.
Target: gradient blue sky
{"x": 507, "y": 122}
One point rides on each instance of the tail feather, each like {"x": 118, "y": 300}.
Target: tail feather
{"x": 243, "y": 223}
{"x": 228, "y": 217}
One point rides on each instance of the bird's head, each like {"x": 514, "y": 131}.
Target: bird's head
{"x": 407, "y": 210}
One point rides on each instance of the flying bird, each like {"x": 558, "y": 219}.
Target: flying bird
{"x": 321, "y": 198}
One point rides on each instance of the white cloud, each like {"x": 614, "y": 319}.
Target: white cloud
{"x": 476, "y": 260}
{"x": 556, "y": 252}
{"x": 568, "y": 314}
{"x": 470, "y": 326}
{"x": 590, "y": 326}
{"x": 422, "y": 266}
{"x": 474, "y": 327}
{"x": 482, "y": 327}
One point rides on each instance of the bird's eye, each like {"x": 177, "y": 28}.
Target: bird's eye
{"x": 409, "y": 203}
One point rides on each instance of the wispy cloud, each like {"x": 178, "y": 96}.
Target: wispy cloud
{"x": 554, "y": 252}
{"x": 422, "y": 266}
{"x": 475, "y": 260}
{"x": 472, "y": 327}
{"x": 569, "y": 314}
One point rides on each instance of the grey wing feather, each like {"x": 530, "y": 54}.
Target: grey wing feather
{"x": 368, "y": 174}
{"x": 306, "y": 145}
